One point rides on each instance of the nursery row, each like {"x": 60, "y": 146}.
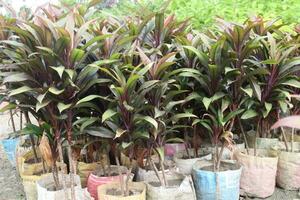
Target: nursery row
{"x": 135, "y": 91}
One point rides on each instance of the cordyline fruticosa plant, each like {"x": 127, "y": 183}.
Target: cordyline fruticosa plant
{"x": 209, "y": 79}
{"x": 50, "y": 75}
{"x": 272, "y": 90}
{"x": 156, "y": 49}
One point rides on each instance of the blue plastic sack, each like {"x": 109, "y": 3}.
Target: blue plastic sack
{"x": 206, "y": 184}
{"x": 10, "y": 146}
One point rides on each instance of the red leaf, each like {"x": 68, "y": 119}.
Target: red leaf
{"x": 291, "y": 121}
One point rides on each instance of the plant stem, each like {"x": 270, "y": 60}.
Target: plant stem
{"x": 71, "y": 163}
{"x": 120, "y": 176}
{"x": 163, "y": 171}
{"x": 220, "y": 156}
{"x": 256, "y": 136}
{"x": 63, "y": 168}
{"x": 12, "y": 120}
{"x": 127, "y": 181}
{"x": 284, "y": 139}
{"x": 156, "y": 172}
{"x": 33, "y": 142}
{"x": 55, "y": 176}
{"x": 244, "y": 135}
{"x": 21, "y": 120}
{"x": 292, "y": 141}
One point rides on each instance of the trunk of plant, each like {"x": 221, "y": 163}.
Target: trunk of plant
{"x": 63, "y": 168}
{"x": 120, "y": 176}
{"x": 256, "y": 136}
{"x": 292, "y": 141}
{"x": 219, "y": 157}
{"x": 12, "y": 120}
{"x": 71, "y": 163}
{"x": 21, "y": 120}
{"x": 186, "y": 143}
{"x": 55, "y": 176}
{"x": 216, "y": 157}
{"x": 127, "y": 180}
{"x": 33, "y": 142}
{"x": 163, "y": 171}
{"x": 284, "y": 139}
{"x": 156, "y": 172}
{"x": 244, "y": 135}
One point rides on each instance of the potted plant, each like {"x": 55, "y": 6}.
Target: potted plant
{"x": 52, "y": 78}
{"x": 125, "y": 121}
{"x": 217, "y": 120}
{"x": 287, "y": 175}
{"x": 271, "y": 96}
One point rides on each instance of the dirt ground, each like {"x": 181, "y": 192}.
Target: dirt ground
{"x": 11, "y": 187}
{"x": 10, "y": 184}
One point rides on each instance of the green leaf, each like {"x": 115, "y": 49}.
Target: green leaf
{"x": 161, "y": 153}
{"x": 176, "y": 117}
{"x": 175, "y": 140}
{"x": 204, "y": 123}
{"x": 225, "y": 104}
{"x": 17, "y": 77}
{"x": 248, "y": 91}
{"x": 77, "y": 55}
{"x": 232, "y": 114}
{"x": 108, "y": 114}
{"x": 283, "y": 106}
{"x": 89, "y": 98}
{"x": 202, "y": 57}
{"x": 61, "y": 106}
{"x": 256, "y": 88}
{"x": 152, "y": 121}
{"x": 60, "y": 70}
{"x": 119, "y": 133}
{"x": 249, "y": 114}
{"x": 206, "y": 101}
{"x": 292, "y": 82}
{"x": 7, "y": 107}
{"x": 20, "y": 90}
{"x": 99, "y": 132}
{"x": 270, "y": 62}
{"x": 158, "y": 113}
{"x": 41, "y": 97}
{"x": 87, "y": 122}
{"x": 55, "y": 91}
{"x": 268, "y": 107}
{"x": 41, "y": 105}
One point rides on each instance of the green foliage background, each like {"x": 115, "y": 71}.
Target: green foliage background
{"x": 203, "y": 12}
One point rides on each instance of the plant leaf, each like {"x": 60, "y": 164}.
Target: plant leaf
{"x": 20, "y": 90}
{"x": 108, "y": 114}
{"x": 249, "y": 114}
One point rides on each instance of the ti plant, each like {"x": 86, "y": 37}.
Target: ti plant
{"x": 272, "y": 91}
{"x": 124, "y": 118}
{"x": 49, "y": 77}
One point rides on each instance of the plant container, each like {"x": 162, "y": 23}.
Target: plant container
{"x": 84, "y": 170}
{"x": 288, "y": 172}
{"x": 259, "y": 172}
{"x": 111, "y": 191}
{"x": 10, "y": 146}
{"x": 222, "y": 185}
{"x": 179, "y": 189}
{"x": 185, "y": 163}
{"x": 267, "y": 143}
{"x": 46, "y": 191}
{"x": 95, "y": 180}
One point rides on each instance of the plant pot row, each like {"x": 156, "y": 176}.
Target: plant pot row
{"x": 259, "y": 175}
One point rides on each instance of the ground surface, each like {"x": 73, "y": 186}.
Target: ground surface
{"x": 11, "y": 187}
